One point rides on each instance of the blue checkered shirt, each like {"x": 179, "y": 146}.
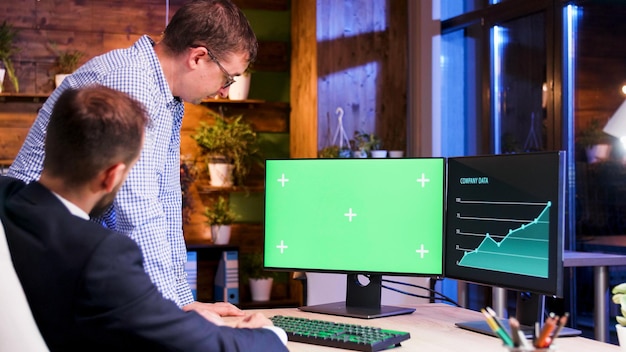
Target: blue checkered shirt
{"x": 148, "y": 206}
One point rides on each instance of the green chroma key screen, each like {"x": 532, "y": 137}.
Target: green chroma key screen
{"x": 355, "y": 215}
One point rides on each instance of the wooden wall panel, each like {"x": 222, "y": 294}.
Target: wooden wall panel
{"x": 15, "y": 121}
{"x": 303, "y": 88}
{"x": 96, "y": 27}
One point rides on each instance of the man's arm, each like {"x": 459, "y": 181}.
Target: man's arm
{"x": 118, "y": 297}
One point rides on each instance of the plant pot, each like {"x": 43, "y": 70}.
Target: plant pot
{"x": 379, "y": 153}
{"x": 359, "y": 154}
{"x": 220, "y": 234}
{"x": 2, "y": 72}
{"x": 221, "y": 174}
{"x": 621, "y": 335}
{"x": 261, "y": 289}
{"x": 239, "y": 90}
{"x": 598, "y": 152}
{"x": 396, "y": 153}
{"x": 58, "y": 78}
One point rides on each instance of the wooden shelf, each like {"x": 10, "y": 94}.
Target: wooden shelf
{"x": 205, "y": 188}
{"x": 24, "y": 97}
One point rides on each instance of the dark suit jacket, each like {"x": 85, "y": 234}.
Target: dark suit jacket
{"x": 87, "y": 288}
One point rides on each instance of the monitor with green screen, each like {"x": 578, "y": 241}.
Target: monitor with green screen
{"x": 356, "y": 216}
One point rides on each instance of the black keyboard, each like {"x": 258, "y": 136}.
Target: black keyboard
{"x": 347, "y": 336}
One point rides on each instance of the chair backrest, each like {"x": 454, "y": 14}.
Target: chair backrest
{"x": 18, "y": 330}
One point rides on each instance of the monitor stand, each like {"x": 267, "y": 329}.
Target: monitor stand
{"x": 528, "y": 310}
{"x": 362, "y": 301}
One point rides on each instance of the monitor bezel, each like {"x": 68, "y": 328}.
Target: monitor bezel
{"x": 553, "y": 284}
{"x": 439, "y": 274}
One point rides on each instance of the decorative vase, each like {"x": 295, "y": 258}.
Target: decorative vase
{"x": 221, "y": 174}
{"x": 261, "y": 289}
{"x": 359, "y": 154}
{"x": 220, "y": 234}
{"x": 379, "y": 153}
{"x": 396, "y": 153}
{"x": 59, "y": 77}
{"x": 621, "y": 335}
{"x": 2, "y": 72}
{"x": 239, "y": 90}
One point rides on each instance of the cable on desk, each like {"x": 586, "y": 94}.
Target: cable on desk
{"x": 441, "y": 297}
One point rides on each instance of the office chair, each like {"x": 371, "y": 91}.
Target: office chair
{"x": 18, "y": 330}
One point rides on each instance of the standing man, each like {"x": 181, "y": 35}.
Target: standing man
{"x": 85, "y": 284}
{"x": 205, "y": 45}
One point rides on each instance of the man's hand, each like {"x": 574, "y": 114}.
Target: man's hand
{"x": 255, "y": 320}
{"x": 214, "y": 311}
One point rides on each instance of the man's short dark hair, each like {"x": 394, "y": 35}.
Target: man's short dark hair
{"x": 90, "y": 129}
{"x": 216, "y": 24}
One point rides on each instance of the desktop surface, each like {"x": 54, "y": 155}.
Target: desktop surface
{"x": 432, "y": 328}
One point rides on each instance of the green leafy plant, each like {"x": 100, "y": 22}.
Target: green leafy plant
{"x": 68, "y": 61}
{"x": 230, "y": 140}
{"x": 220, "y": 213}
{"x": 251, "y": 265}
{"x": 7, "y": 50}
{"x": 593, "y": 134}
{"x": 329, "y": 152}
{"x": 366, "y": 141}
{"x": 619, "y": 297}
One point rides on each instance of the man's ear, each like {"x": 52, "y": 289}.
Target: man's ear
{"x": 113, "y": 176}
{"x": 195, "y": 55}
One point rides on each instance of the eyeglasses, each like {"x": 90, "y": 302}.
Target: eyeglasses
{"x": 229, "y": 78}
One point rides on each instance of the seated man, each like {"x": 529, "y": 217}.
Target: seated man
{"x": 85, "y": 284}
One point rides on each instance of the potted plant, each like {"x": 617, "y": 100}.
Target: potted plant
{"x": 595, "y": 141}
{"x": 230, "y": 147}
{"x": 619, "y": 297}
{"x": 240, "y": 89}
{"x": 364, "y": 143}
{"x": 334, "y": 151}
{"x": 329, "y": 152}
{"x": 219, "y": 217}
{"x": 259, "y": 279}
{"x": 7, "y": 49}
{"x": 67, "y": 63}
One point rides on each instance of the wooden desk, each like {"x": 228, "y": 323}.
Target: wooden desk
{"x": 432, "y": 329}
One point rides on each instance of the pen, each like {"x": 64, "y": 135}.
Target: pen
{"x": 515, "y": 332}
{"x": 537, "y": 331}
{"x": 497, "y": 329}
{"x": 544, "y": 339}
{"x": 495, "y": 317}
{"x": 519, "y": 338}
{"x": 562, "y": 322}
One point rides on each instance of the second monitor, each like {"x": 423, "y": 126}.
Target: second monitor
{"x": 505, "y": 227}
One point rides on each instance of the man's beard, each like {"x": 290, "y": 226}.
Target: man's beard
{"x": 102, "y": 206}
{"x": 104, "y": 203}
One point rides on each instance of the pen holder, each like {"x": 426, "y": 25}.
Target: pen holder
{"x": 531, "y": 349}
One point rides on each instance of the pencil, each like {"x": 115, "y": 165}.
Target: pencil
{"x": 562, "y": 322}
{"x": 544, "y": 339}
{"x": 521, "y": 337}
{"x": 497, "y": 330}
